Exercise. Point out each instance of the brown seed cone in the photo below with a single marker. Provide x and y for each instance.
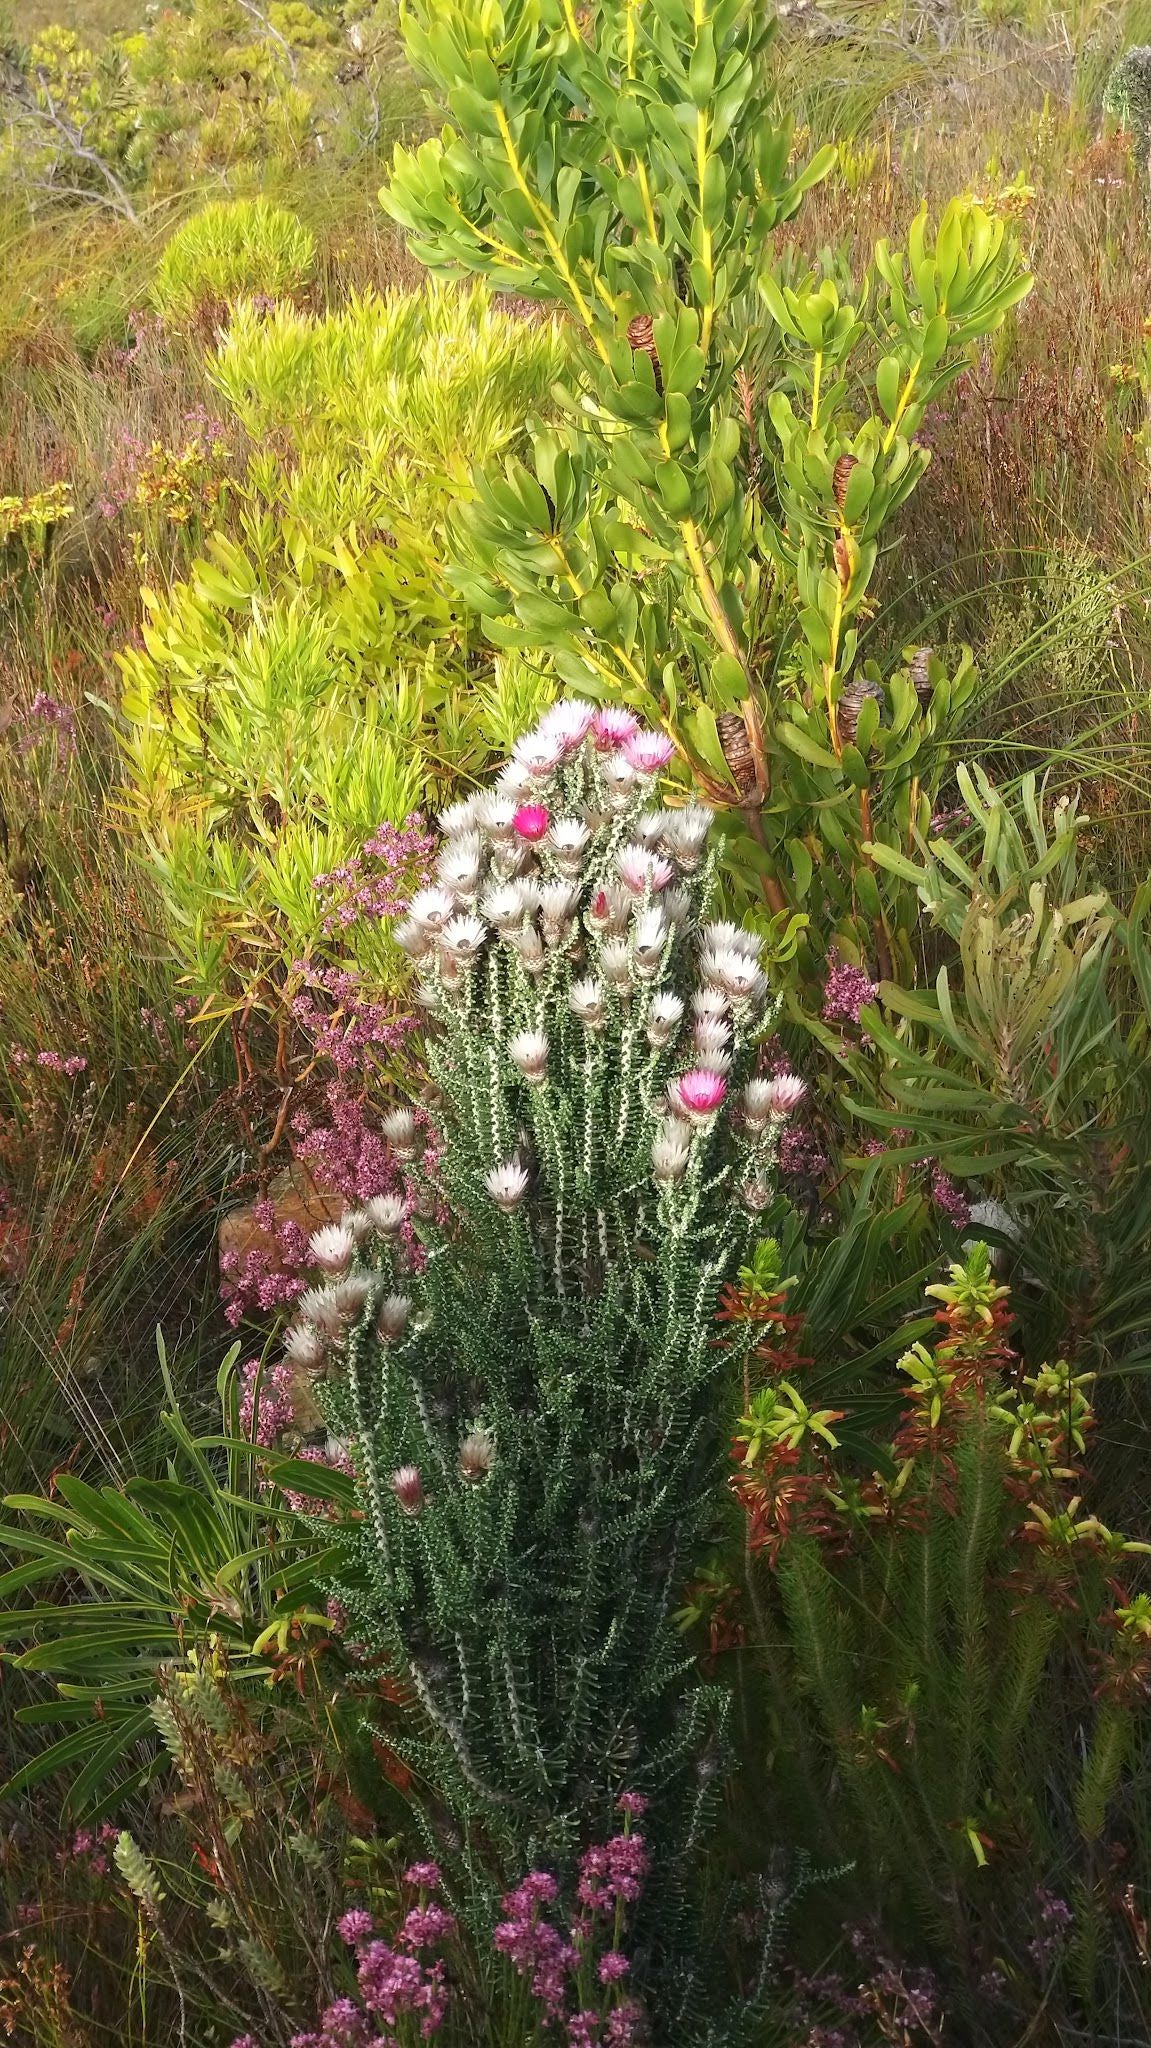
(733, 738)
(841, 477)
(921, 673)
(851, 704)
(641, 341)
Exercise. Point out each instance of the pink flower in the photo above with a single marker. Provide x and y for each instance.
(531, 821)
(697, 1093)
(408, 1488)
(639, 870)
(613, 727)
(648, 751)
(785, 1094)
(568, 722)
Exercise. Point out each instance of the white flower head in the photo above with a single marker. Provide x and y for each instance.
(462, 937)
(496, 813)
(431, 909)
(459, 817)
(399, 1128)
(477, 1455)
(568, 840)
(649, 938)
(504, 905)
(529, 946)
(304, 1346)
(677, 906)
(685, 834)
(507, 1185)
(671, 1152)
(460, 864)
(332, 1246)
(756, 1102)
(585, 999)
(413, 939)
(648, 828)
(711, 1035)
(513, 781)
(392, 1317)
(528, 1051)
(408, 1488)
(664, 1017)
(709, 1002)
(569, 721)
(615, 962)
(539, 752)
(619, 780)
(786, 1092)
(558, 901)
(386, 1213)
(640, 870)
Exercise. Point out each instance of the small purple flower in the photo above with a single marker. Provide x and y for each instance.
(613, 1966)
(846, 993)
(949, 1198)
(356, 1927)
(426, 1875)
(634, 1804)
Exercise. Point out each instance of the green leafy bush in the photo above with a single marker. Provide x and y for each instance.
(699, 533)
(315, 678)
(238, 248)
(951, 1651)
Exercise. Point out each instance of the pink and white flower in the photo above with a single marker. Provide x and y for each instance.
(698, 1094)
(640, 870)
(332, 1247)
(612, 727)
(408, 1488)
(528, 1051)
(531, 821)
(507, 1185)
(648, 752)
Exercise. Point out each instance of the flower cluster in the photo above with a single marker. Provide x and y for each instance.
(377, 881)
(560, 1965)
(846, 993)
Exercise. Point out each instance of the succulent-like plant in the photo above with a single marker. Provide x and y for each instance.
(533, 1420)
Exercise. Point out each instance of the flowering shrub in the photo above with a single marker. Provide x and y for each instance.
(532, 1421)
(957, 1651)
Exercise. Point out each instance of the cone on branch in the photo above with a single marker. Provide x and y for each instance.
(641, 341)
(737, 750)
(851, 704)
(841, 477)
(921, 674)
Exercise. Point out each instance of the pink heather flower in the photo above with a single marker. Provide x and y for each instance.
(634, 1804)
(613, 1966)
(408, 1488)
(356, 1926)
(698, 1093)
(624, 2025)
(648, 751)
(846, 992)
(426, 1875)
(613, 727)
(949, 1197)
(785, 1093)
(531, 821)
(425, 1924)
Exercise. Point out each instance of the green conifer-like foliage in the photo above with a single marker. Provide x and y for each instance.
(532, 1419)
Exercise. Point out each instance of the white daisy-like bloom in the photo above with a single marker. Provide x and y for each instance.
(711, 1034)
(504, 905)
(710, 1002)
(677, 906)
(648, 941)
(585, 1000)
(615, 963)
(349, 1295)
(558, 901)
(331, 1309)
(671, 1152)
(685, 834)
(528, 1051)
(463, 937)
(496, 813)
(724, 937)
(393, 1316)
(513, 781)
(332, 1246)
(786, 1092)
(412, 939)
(756, 1102)
(460, 864)
(568, 840)
(648, 828)
(427, 995)
(713, 1059)
(743, 980)
(569, 721)
(640, 870)
(540, 753)
(619, 779)
(358, 1222)
(399, 1128)
(529, 946)
(304, 1346)
(477, 1455)
(715, 961)
(459, 817)
(386, 1213)
(667, 1009)
(431, 909)
(507, 1185)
